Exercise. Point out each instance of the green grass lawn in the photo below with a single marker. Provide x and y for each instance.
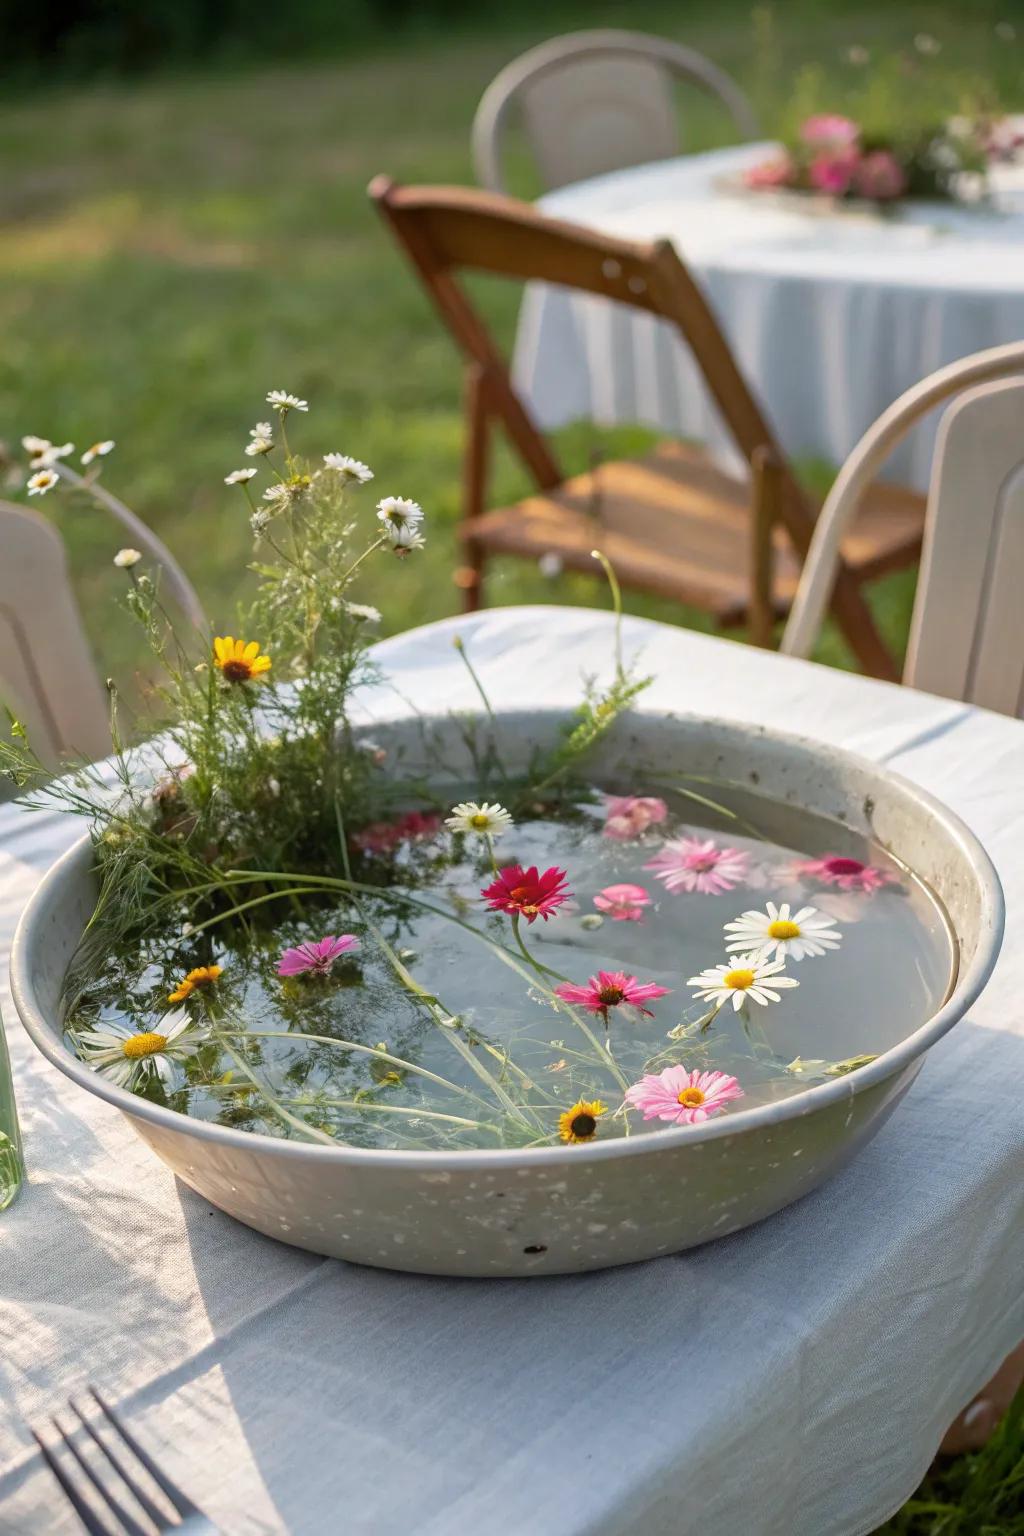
(171, 249)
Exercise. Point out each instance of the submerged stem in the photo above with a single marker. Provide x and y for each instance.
(275, 1104)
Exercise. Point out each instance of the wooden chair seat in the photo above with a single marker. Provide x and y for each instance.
(674, 524)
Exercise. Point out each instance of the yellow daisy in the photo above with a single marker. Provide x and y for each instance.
(238, 661)
(580, 1122)
(202, 976)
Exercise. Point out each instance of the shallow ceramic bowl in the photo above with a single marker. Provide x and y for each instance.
(558, 1209)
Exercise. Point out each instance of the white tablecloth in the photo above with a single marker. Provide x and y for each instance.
(831, 317)
(793, 1380)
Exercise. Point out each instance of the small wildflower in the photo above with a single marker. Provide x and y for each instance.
(623, 903)
(349, 469)
(259, 519)
(580, 1122)
(690, 864)
(34, 445)
(482, 820)
(239, 476)
(927, 45)
(98, 451)
(126, 558)
(124, 1056)
(629, 816)
(364, 612)
(49, 453)
(316, 957)
(400, 517)
(239, 662)
(776, 932)
(261, 440)
(44, 480)
(526, 892)
(405, 540)
(283, 402)
(202, 976)
(742, 977)
(683, 1097)
(610, 989)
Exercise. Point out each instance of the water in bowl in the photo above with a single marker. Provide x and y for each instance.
(482, 1055)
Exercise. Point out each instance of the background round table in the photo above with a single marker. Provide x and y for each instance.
(831, 315)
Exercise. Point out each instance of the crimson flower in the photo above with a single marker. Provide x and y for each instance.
(610, 988)
(520, 891)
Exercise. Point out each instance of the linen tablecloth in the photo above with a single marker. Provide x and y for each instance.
(831, 317)
(792, 1380)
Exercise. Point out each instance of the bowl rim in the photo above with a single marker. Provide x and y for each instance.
(969, 983)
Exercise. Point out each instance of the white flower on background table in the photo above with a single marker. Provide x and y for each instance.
(126, 558)
(776, 932)
(123, 1055)
(692, 864)
(239, 476)
(44, 480)
(98, 451)
(742, 977)
(479, 820)
(282, 401)
(349, 469)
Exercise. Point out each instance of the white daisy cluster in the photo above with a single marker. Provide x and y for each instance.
(759, 945)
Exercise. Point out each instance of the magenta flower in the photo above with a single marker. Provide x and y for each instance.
(609, 989)
(828, 130)
(687, 864)
(318, 957)
(524, 892)
(623, 903)
(628, 816)
(832, 172)
(879, 176)
(846, 874)
(682, 1097)
(386, 836)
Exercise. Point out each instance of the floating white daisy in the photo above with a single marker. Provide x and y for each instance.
(400, 517)
(348, 469)
(282, 401)
(41, 482)
(777, 932)
(742, 977)
(98, 451)
(126, 558)
(239, 476)
(480, 820)
(124, 1056)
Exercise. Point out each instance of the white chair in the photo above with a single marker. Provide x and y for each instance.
(967, 630)
(47, 675)
(597, 101)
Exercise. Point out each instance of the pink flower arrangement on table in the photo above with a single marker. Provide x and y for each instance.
(832, 156)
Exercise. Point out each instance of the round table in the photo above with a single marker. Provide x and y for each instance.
(831, 315)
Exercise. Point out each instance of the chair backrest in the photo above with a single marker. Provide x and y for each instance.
(967, 633)
(448, 229)
(994, 519)
(592, 102)
(47, 676)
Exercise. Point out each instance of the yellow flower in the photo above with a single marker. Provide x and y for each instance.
(202, 976)
(239, 662)
(580, 1122)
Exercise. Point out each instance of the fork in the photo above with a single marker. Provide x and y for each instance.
(186, 1519)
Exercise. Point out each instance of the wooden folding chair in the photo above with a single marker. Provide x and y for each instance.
(672, 522)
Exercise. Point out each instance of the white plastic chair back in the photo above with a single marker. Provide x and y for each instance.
(592, 102)
(967, 634)
(47, 676)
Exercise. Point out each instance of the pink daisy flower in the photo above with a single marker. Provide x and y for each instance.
(623, 903)
(628, 816)
(846, 874)
(682, 1097)
(316, 957)
(519, 891)
(687, 864)
(609, 989)
(829, 130)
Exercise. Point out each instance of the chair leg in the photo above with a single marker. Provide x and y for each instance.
(766, 491)
(472, 581)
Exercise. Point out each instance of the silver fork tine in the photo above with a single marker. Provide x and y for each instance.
(130, 1525)
(92, 1522)
(181, 1501)
(158, 1516)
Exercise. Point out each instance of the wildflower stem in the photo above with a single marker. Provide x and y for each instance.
(537, 964)
(377, 544)
(613, 582)
(275, 1104)
(397, 1109)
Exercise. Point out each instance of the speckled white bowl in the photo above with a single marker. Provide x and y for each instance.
(558, 1209)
